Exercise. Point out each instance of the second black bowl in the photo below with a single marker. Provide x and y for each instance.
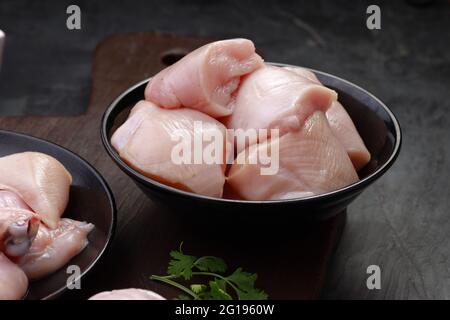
(376, 124)
(90, 200)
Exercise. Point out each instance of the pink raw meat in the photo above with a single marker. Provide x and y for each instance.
(206, 78)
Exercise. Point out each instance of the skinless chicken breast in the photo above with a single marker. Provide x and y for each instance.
(13, 281)
(311, 161)
(344, 129)
(40, 181)
(342, 126)
(275, 98)
(206, 78)
(127, 294)
(148, 138)
(53, 248)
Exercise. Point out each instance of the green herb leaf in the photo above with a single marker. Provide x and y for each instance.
(217, 293)
(183, 297)
(253, 294)
(243, 280)
(181, 265)
(222, 284)
(198, 288)
(211, 264)
(245, 283)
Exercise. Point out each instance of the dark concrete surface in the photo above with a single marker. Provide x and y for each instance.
(402, 222)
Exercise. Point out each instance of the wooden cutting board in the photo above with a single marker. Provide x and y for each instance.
(291, 258)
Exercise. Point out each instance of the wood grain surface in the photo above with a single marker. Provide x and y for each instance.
(291, 258)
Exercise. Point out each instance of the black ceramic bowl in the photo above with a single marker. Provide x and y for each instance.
(90, 200)
(376, 124)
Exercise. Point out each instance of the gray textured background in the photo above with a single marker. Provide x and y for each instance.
(402, 222)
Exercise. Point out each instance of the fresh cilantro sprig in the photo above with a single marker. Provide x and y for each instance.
(183, 266)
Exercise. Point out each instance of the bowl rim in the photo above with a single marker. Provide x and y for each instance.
(112, 203)
(359, 185)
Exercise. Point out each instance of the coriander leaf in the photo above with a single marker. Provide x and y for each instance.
(222, 284)
(181, 265)
(186, 266)
(243, 280)
(245, 283)
(254, 294)
(217, 293)
(205, 295)
(211, 264)
(198, 288)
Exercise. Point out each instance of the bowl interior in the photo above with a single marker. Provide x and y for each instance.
(90, 200)
(376, 124)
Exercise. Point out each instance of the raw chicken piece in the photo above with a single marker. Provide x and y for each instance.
(18, 228)
(305, 73)
(311, 161)
(206, 78)
(148, 139)
(342, 126)
(276, 98)
(18, 224)
(127, 294)
(13, 281)
(40, 180)
(52, 249)
(9, 199)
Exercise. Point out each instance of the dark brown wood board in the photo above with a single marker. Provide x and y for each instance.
(291, 261)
